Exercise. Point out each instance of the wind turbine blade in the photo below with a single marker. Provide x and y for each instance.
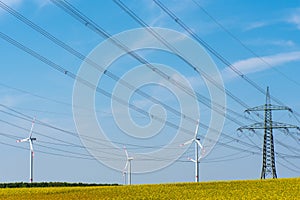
(190, 159)
(186, 143)
(32, 125)
(200, 145)
(126, 153)
(202, 153)
(196, 131)
(126, 165)
(23, 140)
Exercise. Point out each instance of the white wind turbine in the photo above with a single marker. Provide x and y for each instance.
(197, 158)
(30, 139)
(128, 167)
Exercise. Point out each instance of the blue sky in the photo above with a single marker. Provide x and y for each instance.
(258, 38)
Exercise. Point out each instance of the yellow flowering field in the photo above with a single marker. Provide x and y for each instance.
(254, 189)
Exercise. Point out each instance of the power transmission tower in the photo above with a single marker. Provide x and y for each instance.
(268, 165)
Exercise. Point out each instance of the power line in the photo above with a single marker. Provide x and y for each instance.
(152, 158)
(243, 44)
(173, 49)
(70, 144)
(32, 94)
(55, 65)
(74, 52)
(212, 50)
(96, 28)
(144, 24)
(71, 10)
(89, 61)
(65, 72)
(27, 118)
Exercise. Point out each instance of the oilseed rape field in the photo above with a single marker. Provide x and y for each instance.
(254, 189)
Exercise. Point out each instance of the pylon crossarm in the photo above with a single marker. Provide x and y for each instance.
(252, 127)
(260, 125)
(270, 107)
(283, 125)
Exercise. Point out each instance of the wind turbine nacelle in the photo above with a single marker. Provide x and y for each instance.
(130, 158)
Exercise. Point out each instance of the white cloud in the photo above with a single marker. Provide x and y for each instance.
(11, 100)
(292, 18)
(12, 2)
(158, 21)
(265, 42)
(16, 3)
(42, 3)
(252, 65)
(295, 18)
(256, 25)
(283, 43)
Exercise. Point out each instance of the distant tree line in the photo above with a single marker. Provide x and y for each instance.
(50, 184)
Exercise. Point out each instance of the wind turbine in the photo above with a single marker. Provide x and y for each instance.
(128, 167)
(197, 158)
(30, 139)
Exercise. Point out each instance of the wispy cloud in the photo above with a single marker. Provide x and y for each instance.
(282, 43)
(16, 3)
(256, 25)
(11, 100)
(292, 17)
(42, 3)
(295, 18)
(11, 3)
(252, 65)
(267, 42)
(159, 18)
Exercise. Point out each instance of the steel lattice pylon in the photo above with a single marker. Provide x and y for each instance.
(268, 165)
(268, 147)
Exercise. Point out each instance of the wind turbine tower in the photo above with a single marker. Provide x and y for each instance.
(30, 139)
